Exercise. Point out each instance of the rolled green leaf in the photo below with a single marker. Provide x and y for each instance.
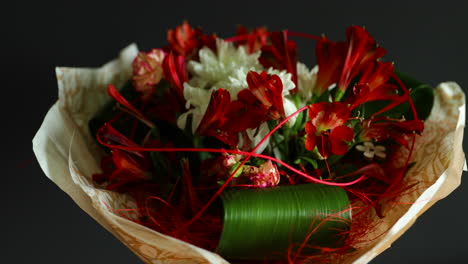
(264, 223)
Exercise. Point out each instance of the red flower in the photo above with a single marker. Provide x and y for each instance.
(186, 41)
(114, 93)
(261, 102)
(215, 116)
(281, 55)
(147, 71)
(362, 52)
(373, 85)
(330, 59)
(376, 74)
(183, 40)
(121, 168)
(327, 130)
(176, 73)
(340, 62)
(383, 128)
(268, 89)
(361, 93)
(256, 39)
(245, 112)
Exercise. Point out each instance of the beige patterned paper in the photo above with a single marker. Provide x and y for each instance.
(69, 156)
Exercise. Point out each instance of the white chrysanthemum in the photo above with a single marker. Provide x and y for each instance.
(215, 67)
(235, 82)
(289, 109)
(197, 101)
(306, 80)
(227, 69)
(256, 135)
(286, 79)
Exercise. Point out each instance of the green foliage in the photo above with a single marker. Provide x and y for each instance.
(263, 223)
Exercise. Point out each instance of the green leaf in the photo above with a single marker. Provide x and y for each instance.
(310, 161)
(262, 223)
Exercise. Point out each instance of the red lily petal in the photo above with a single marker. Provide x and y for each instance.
(330, 59)
(381, 128)
(255, 40)
(362, 50)
(325, 116)
(124, 161)
(217, 108)
(310, 138)
(245, 113)
(362, 94)
(176, 73)
(323, 145)
(268, 90)
(338, 137)
(215, 117)
(114, 93)
(281, 55)
(108, 134)
(377, 74)
(184, 39)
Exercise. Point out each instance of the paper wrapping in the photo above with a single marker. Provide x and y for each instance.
(69, 156)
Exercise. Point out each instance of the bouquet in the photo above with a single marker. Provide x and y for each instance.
(234, 146)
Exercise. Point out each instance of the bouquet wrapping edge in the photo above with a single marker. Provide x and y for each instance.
(69, 156)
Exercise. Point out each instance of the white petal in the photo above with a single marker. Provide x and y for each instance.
(369, 154)
(196, 97)
(286, 79)
(182, 120)
(361, 148)
(289, 109)
(381, 155)
(262, 132)
(306, 80)
(380, 148)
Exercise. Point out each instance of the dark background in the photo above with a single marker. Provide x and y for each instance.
(41, 224)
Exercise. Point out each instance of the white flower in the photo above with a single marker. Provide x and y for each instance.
(199, 100)
(257, 136)
(306, 80)
(289, 109)
(217, 67)
(227, 68)
(370, 150)
(236, 82)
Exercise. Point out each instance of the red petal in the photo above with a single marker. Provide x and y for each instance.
(338, 137)
(281, 55)
(362, 50)
(377, 74)
(323, 145)
(310, 139)
(255, 40)
(108, 134)
(217, 108)
(330, 59)
(112, 91)
(175, 72)
(268, 90)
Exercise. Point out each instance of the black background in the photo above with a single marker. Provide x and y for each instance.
(41, 224)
